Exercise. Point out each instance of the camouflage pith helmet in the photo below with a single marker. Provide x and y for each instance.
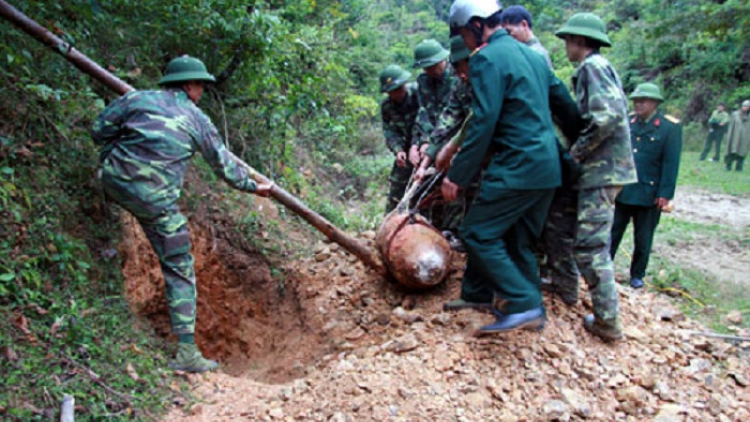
(647, 90)
(459, 50)
(392, 77)
(462, 11)
(586, 25)
(184, 69)
(429, 53)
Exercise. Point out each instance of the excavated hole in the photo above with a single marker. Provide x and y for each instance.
(244, 320)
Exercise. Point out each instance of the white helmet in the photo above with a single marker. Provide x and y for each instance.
(463, 10)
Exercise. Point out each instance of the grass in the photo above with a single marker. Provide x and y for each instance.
(704, 297)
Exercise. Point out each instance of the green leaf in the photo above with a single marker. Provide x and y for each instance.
(7, 277)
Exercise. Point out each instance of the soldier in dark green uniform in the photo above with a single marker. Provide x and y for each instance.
(583, 216)
(717, 127)
(657, 143)
(514, 91)
(398, 112)
(147, 139)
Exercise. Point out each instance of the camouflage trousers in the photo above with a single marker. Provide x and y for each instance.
(577, 238)
(399, 179)
(167, 231)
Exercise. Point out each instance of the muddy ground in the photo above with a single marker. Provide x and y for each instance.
(329, 341)
(723, 260)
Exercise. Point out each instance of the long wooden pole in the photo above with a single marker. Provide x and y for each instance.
(86, 65)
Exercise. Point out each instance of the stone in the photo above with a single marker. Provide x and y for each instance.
(576, 401)
(734, 317)
(635, 334)
(406, 316)
(553, 351)
(276, 413)
(404, 344)
(740, 379)
(555, 410)
(669, 413)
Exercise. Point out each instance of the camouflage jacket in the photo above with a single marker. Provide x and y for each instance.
(148, 137)
(398, 119)
(451, 118)
(537, 46)
(433, 96)
(603, 147)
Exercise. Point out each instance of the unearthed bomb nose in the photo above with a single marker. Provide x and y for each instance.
(415, 253)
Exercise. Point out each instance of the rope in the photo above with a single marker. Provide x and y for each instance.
(682, 293)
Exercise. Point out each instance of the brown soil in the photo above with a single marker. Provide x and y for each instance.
(342, 344)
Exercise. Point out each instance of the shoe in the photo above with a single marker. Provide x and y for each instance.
(458, 304)
(190, 359)
(606, 331)
(569, 298)
(636, 283)
(532, 320)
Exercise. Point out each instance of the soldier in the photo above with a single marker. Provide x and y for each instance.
(738, 137)
(656, 139)
(398, 112)
(717, 126)
(147, 139)
(584, 215)
(435, 86)
(449, 123)
(513, 90)
(517, 21)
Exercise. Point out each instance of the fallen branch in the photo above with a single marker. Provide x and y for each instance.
(719, 336)
(97, 379)
(67, 409)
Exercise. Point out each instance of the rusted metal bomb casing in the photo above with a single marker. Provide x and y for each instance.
(416, 254)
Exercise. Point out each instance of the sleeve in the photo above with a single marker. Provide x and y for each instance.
(393, 139)
(489, 90)
(422, 125)
(564, 110)
(670, 163)
(449, 123)
(107, 126)
(224, 164)
(601, 104)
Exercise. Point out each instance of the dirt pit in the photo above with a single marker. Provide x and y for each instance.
(246, 319)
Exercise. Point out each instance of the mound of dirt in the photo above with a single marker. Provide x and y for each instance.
(397, 356)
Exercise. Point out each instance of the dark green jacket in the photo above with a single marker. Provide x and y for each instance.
(657, 144)
(514, 92)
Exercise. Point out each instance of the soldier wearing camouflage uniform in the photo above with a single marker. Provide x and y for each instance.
(436, 84)
(581, 219)
(147, 139)
(450, 122)
(398, 112)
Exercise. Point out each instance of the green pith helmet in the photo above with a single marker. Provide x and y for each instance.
(459, 50)
(586, 25)
(429, 53)
(647, 90)
(184, 69)
(392, 77)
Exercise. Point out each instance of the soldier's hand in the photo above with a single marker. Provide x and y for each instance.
(264, 189)
(444, 157)
(449, 190)
(401, 159)
(661, 203)
(414, 157)
(423, 150)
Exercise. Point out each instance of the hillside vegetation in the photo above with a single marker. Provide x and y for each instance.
(296, 97)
